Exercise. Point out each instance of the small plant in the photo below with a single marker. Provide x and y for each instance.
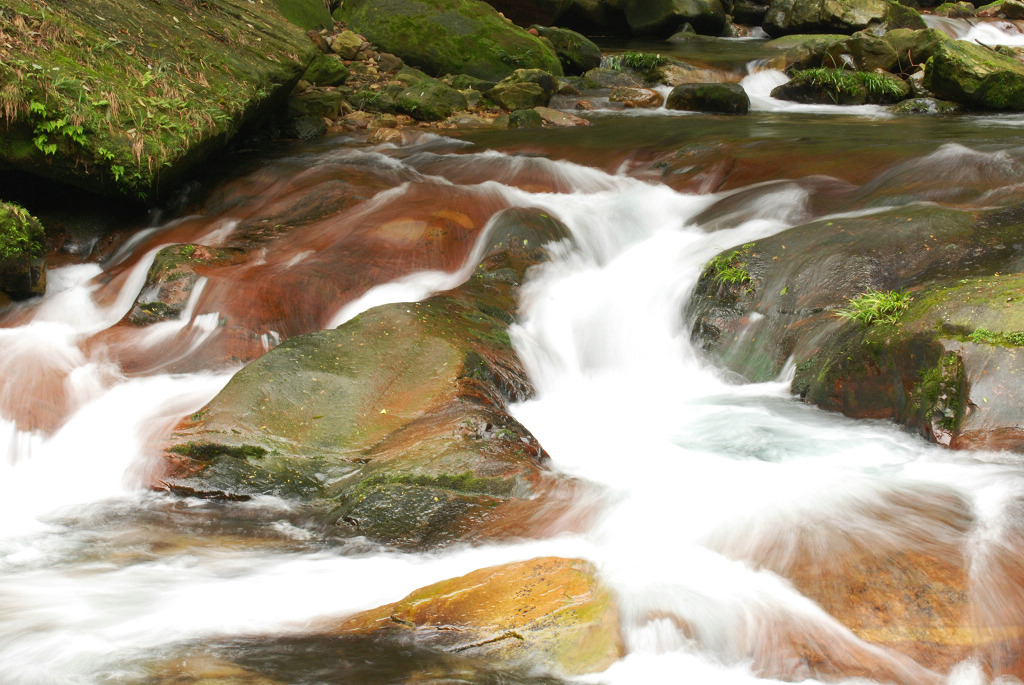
(987, 337)
(882, 306)
(729, 269)
(839, 82)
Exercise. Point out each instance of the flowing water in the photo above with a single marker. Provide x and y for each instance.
(709, 490)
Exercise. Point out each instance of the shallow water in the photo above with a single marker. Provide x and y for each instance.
(710, 491)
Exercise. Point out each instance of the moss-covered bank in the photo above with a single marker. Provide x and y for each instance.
(124, 98)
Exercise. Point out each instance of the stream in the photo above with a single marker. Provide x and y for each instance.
(704, 484)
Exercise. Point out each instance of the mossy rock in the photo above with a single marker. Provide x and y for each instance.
(956, 10)
(393, 425)
(841, 87)
(547, 613)
(22, 247)
(529, 12)
(975, 76)
(525, 118)
(927, 106)
(914, 48)
(524, 89)
(82, 110)
(866, 52)
(326, 70)
(804, 51)
(431, 100)
(576, 52)
(722, 98)
(1012, 10)
(307, 14)
(449, 36)
(603, 77)
(663, 17)
(837, 16)
(924, 370)
(317, 103)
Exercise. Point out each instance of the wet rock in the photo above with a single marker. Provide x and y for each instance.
(463, 37)
(530, 12)
(837, 16)
(748, 12)
(431, 100)
(524, 89)
(664, 17)
(216, 86)
(558, 118)
(596, 17)
(22, 248)
(932, 370)
(326, 70)
(610, 78)
(525, 118)
(547, 612)
(576, 52)
(927, 106)
(724, 98)
(975, 76)
(171, 279)
(841, 87)
(636, 97)
(393, 425)
(1003, 9)
(317, 103)
(914, 48)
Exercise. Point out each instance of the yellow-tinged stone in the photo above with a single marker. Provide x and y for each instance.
(548, 611)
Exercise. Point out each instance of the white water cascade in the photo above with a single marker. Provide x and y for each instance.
(696, 472)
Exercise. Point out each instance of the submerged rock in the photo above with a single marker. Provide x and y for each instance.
(455, 36)
(131, 123)
(22, 247)
(393, 424)
(547, 612)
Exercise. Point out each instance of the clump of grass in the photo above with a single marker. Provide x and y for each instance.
(842, 82)
(730, 269)
(638, 61)
(983, 335)
(876, 306)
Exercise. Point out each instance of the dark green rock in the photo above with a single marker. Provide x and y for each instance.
(864, 51)
(914, 48)
(576, 52)
(448, 36)
(665, 17)
(305, 128)
(609, 78)
(431, 100)
(803, 51)
(957, 10)
(723, 98)
(22, 247)
(326, 70)
(318, 103)
(529, 12)
(927, 106)
(172, 278)
(841, 87)
(525, 89)
(975, 76)
(525, 118)
(749, 12)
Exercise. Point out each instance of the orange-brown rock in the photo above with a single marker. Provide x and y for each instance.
(550, 612)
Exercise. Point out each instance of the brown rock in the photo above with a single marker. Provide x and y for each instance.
(548, 611)
(559, 118)
(637, 97)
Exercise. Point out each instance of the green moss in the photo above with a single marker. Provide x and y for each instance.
(121, 97)
(21, 234)
(730, 269)
(938, 396)
(211, 451)
(876, 306)
(465, 483)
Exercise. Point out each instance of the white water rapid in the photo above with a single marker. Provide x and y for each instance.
(697, 473)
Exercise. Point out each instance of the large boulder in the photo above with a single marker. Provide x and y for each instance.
(837, 16)
(665, 17)
(393, 425)
(132, 123)
(431, 100)
(945, 367)
(914, 48)
(22, 245)
(841, 87)
(549, 612)
(976, 76)
(528, 12)
(525, 89)
(576, 52)
(308, 14)
(449, 36)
